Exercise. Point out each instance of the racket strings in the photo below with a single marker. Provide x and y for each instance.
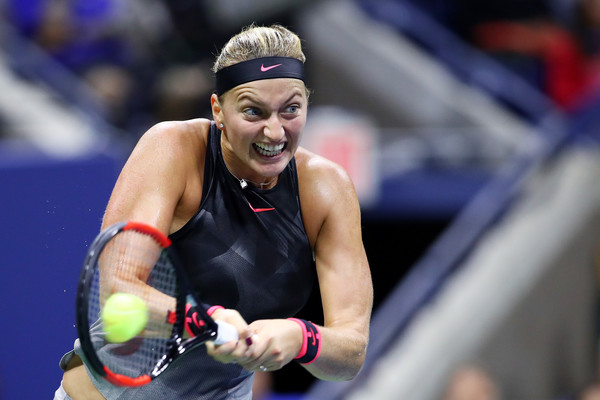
(133, 262)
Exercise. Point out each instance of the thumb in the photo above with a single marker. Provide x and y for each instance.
(234, 318)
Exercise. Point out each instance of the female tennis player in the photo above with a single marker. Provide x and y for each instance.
(257, 220)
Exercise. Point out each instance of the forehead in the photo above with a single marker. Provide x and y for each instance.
(268, 89)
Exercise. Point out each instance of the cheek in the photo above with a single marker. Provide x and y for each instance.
(296, 127)
(241, 133)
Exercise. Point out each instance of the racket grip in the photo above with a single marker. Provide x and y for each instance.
(225, 333)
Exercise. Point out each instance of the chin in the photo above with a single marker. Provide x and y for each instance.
(273, 169)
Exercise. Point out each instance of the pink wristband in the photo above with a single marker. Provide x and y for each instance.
(311, 341)
(212, 309)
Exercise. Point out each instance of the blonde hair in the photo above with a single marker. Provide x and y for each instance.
(259, 41)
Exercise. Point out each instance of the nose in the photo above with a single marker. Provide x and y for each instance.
(274, 129)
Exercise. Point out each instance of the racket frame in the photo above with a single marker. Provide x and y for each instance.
(176, 344)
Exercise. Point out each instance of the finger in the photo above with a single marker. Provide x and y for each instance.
(249, 338)
(248, 351)
(234, 318)
(224, 353)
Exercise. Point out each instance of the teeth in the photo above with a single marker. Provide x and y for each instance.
(269, 149)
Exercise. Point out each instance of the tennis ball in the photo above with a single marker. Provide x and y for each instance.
(124, 316)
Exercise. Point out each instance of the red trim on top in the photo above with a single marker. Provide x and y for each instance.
(123, 380)
(160, 237)
(258, 210)
(212, 310)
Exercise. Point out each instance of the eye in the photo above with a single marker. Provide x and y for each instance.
(292, 109)
(251, 111)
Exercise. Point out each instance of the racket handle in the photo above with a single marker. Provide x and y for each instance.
(225, 333)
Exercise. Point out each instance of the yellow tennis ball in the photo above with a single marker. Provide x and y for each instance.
(124, 316)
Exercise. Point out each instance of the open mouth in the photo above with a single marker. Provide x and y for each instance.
(269, 150)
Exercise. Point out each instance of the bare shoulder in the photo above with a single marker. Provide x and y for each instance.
(314, 169)
(325, 189)
(161, 182)
(177, 136)
(317, 172)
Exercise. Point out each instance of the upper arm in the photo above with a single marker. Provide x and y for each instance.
(333, 219)
(153, 180)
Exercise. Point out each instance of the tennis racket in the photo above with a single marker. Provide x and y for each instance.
(137, 259)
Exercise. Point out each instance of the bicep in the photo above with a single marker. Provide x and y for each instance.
(342, 266)
(148, 187)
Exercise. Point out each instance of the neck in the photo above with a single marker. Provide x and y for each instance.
(244, 181)
(261, 185)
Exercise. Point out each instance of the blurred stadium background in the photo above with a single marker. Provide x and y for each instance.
(470, 128)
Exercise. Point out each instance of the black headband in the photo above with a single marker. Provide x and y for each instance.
(257, 69)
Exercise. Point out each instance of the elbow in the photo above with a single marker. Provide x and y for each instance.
(355, 356)
(357, 365)
(338, 371)
(359, 359)
(352, 367)
(350, 372)
(345, 362)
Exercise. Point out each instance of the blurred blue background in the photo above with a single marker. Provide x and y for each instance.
(50, 211)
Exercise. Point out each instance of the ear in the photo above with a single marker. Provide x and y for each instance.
(217, 111)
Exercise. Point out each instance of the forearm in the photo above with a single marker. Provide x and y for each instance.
(277, 342)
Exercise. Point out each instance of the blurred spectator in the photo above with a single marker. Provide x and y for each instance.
(181, 93)
(582, 17)
(146, 60)
(561, 63)
(586, 26)
(471, 383)
(77, 33)
(558, 57)
(113, 86)
(110, 44)
(591, 392)
(469, 13)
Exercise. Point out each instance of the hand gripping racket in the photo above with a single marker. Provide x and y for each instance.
(137, 259)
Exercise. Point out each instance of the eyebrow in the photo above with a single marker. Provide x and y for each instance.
(254, 99)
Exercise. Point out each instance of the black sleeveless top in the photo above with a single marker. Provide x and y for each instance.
(246, 248)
